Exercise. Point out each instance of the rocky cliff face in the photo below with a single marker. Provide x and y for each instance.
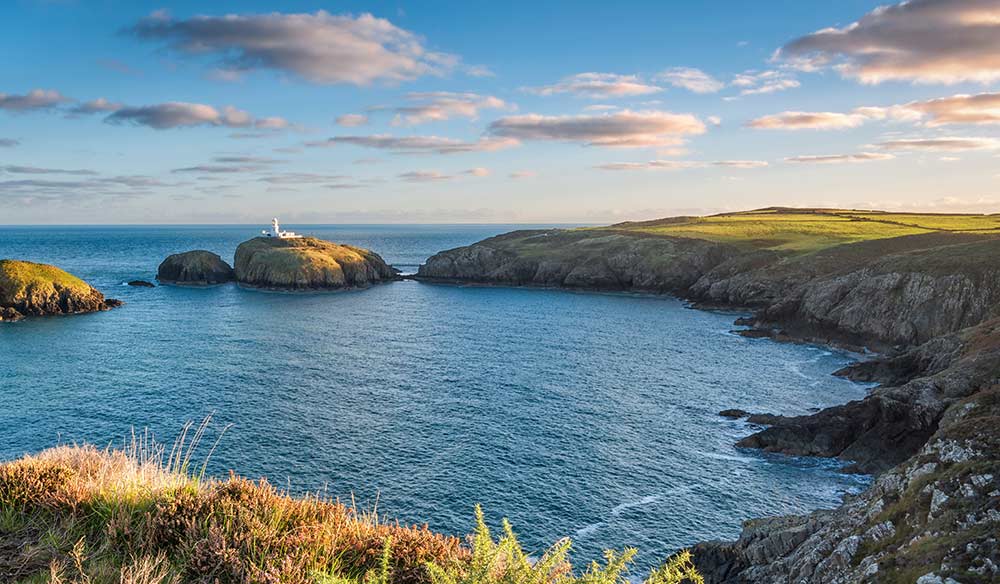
(195, 268)
(308, 264)
(927, 302)
(30, 289)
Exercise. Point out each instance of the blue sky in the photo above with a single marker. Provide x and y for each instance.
(492, 112)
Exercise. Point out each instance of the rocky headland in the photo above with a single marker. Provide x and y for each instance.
(308, 263)
(195, 268)
(921, 291)
(30, 289)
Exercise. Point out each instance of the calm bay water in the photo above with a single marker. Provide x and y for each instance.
(587, 415)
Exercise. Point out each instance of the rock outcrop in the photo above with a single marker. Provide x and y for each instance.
(308, 264)
(195, 268)
(30, 289)
(930, 304)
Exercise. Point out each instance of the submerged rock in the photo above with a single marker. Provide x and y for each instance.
(195, 268)
(141, 284)
(30, 289)
(308, 263)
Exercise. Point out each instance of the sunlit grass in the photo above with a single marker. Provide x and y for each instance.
(799, 231)
(143, 514)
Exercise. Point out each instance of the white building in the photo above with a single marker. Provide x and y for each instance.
(277, 232)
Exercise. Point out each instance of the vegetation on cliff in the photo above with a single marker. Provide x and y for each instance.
(790, 230)
(76, 514)
(195, 268)
(31, 289)
(308, 264)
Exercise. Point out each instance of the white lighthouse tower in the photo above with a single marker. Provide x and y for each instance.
(277, 232)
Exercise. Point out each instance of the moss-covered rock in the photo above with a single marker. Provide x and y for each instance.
(30, 289)
(195, 268)
(308, 264)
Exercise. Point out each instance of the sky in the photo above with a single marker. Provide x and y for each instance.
(135, 112)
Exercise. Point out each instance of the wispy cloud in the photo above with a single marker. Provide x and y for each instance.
(352, 120)
(682, 164)
(14, 169)
(598, 86)
(95, 106)
(623, 129)
(320, 47)
(36, 99)
(926, 41)
(438, 106)
(691, 79)
(840, 158)
(763, 82)
(944, 144)
(9, 143)
(178, 114)
(807, 121)
(419, 144)
(420, 176)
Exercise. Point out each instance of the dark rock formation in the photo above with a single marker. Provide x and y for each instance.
(734, 414)
(195, 268)
(141, 284)
(308, 264)
(30, 289)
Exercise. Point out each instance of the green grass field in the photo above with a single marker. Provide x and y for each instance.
(808, 230)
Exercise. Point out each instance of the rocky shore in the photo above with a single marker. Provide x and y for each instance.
(31, 289)
(927, 303)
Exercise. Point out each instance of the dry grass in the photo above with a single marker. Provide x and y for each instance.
(144, 515)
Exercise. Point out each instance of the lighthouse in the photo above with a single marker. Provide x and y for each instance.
(277, 232)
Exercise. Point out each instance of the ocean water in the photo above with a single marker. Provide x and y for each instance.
(574, 414)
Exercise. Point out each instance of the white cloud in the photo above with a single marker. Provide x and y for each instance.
(320, 48)
(624, 128)
(598, 86)
(763, 82)
(691, 79)
(926, 41)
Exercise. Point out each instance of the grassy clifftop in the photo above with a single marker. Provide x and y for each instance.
(805, 230)
(76, 514)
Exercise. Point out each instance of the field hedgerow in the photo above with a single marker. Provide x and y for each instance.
(141, 515)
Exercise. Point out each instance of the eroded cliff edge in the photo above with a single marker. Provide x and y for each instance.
(926, 302)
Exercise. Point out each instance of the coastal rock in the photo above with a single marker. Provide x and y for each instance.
(734, 414)
(604, 260)
(308, 264)
(195, 268)
(141, 284)
(30, 289)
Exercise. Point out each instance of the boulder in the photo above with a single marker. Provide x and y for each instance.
(141, 284)
(308, 263)
(195, 268)
(30, 289)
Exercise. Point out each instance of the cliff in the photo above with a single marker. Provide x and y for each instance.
(195, 268)
(308, 264)
(30, 289)
(923, 290)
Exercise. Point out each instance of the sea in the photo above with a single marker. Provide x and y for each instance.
(583, 415)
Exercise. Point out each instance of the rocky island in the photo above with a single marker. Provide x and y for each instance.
(195, 268)
(308, 263)
(923, 291)
(30, 289)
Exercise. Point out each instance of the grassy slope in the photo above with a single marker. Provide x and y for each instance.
(76, 514)
(18, 277)
(809, 230)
